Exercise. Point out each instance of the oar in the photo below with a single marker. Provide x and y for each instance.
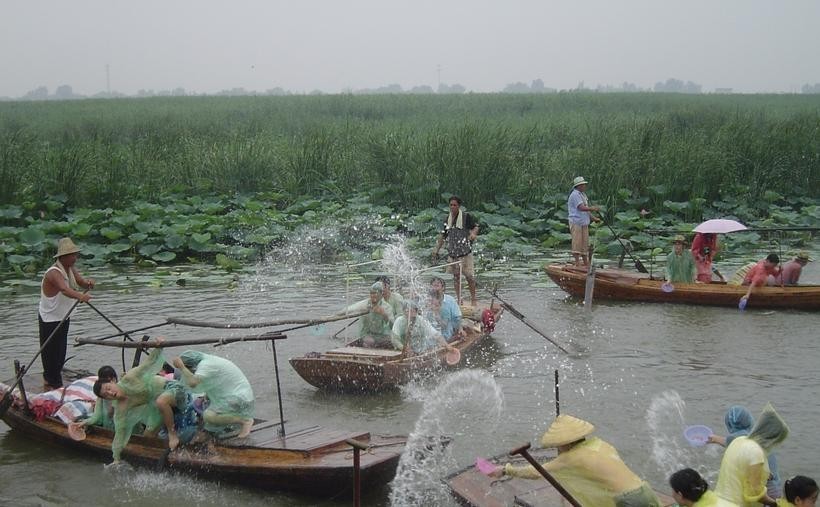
(523, 451)
(638, 264)
(118, 328)
(5, 403)
(337, 333)
(520, 316)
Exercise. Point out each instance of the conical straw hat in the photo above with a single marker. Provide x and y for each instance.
(65, 247)
(566, 429)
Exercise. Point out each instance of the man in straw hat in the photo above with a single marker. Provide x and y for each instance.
(579, 216)
(58, 291)
(589, 468)
(680, 265)
(790, 272)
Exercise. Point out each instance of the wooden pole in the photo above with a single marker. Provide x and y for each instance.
(546, 475)
(557, 403)
(357, 486)
(278, 391)
(183, 343)
(518, 315)
(251, 325)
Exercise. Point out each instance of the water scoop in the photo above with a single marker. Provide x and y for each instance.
(667, 287)
(697, 435)
(453, 356)
(76, 431)
(742, 304)
(484, 466)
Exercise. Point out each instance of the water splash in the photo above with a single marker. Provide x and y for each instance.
(666, 420)
(398, 262)
(465, 404)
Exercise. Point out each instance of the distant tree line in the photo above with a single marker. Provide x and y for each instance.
(671, 85)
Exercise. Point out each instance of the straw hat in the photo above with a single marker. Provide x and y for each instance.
(803, 256)
(65, 247)
(679, 239)
(566, 429)
(579, 180)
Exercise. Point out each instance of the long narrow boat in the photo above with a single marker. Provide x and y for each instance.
(309, 460)
(356, 368)
(474, 489)
(618, 284)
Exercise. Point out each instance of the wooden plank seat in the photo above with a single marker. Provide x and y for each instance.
(363, 351)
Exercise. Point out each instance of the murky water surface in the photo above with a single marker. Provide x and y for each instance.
(648, 370)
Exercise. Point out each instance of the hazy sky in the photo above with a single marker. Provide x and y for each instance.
(333, 45)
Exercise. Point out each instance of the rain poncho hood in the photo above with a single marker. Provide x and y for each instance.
(770, 429)
(191, 359)
(738, 420)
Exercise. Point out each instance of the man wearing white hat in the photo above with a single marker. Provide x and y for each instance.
(589, 468)
(578, 209)
(58, 291)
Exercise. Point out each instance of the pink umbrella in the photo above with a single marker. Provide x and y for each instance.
(719, 226)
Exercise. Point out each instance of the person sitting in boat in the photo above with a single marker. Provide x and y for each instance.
(740, 274)
(142, 396)
(680, 265)
(230, 396)
(799, 491)
(744, 469)
(393, 299)
(704, 249)
(412, 332)
(690, 489)
(103, 409)
(443, 312)
(790, 272)
(760, 272)
(739, 422)
(589, 468)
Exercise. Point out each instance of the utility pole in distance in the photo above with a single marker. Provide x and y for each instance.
(108, 80)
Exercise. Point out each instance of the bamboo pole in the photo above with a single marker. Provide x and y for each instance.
(251, 325)
(183, 343)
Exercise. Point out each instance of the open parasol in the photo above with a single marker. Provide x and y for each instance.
(719, 226)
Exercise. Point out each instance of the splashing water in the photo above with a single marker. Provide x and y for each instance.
(398, 262)
(666, 420)
(466, 403)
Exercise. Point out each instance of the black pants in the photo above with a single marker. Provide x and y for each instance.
(53, 355)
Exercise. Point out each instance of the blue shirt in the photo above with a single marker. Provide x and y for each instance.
(450, 317)
(576, 216)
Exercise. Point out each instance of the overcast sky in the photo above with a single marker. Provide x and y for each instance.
(334, 45)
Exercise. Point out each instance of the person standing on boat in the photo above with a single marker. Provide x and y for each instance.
(412, 332)
(460, 231)
(58, 291)
(230, 395)
(680, 265)
(589, 468)
(443, 312)
(579, 216)
(791, 271)
(704, 248)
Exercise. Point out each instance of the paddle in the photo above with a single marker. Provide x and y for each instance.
(5, 403)
(638, 264)
(523, 451)
(520, 316)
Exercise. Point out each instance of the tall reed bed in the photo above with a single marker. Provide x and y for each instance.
(410, 150)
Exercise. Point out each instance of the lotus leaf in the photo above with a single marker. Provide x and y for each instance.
(120, 246)
(164, 256)
(126, 219)
(148, 249)
(32, 236)
(11, 212)
(80, 230)
(111, 233)
(201, 238)
(137, 237)
(19, 259)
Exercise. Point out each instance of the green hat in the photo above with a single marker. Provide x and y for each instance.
(679, 239)
(376, 287)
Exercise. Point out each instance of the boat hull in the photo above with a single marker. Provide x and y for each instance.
(624, 285)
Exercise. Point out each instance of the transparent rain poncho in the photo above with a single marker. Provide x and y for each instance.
(227, 388)
(141, 386)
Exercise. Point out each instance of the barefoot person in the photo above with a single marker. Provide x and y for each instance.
(228, 390)
(460, 231)
(58, 293)
(579, 216)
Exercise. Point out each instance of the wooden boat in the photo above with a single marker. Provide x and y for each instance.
(472, 488)
(309, 460)
(626, 285)
(356, 368)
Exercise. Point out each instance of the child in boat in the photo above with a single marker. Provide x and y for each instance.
(690, 489)
(103, 409)
(142, 396)
(230, 396)
(799, 491)
(589, 468)
(413, 332)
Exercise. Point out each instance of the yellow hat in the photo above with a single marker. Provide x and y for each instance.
(66, 247)
(566, 429)
(679, 239)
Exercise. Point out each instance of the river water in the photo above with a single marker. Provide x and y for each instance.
(644, 372)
